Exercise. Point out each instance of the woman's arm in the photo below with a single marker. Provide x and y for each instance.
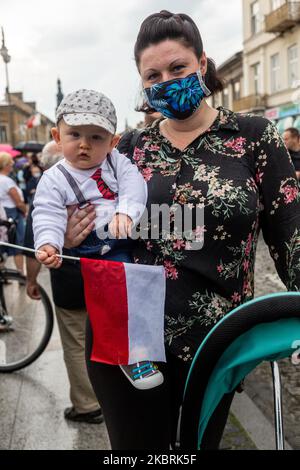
(15, 196)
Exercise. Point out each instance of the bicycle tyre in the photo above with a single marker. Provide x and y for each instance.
(9, 275)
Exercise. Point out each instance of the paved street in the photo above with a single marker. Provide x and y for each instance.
(32, 401)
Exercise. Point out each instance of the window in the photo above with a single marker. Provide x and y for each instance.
(293, 73)
(225, 98)
(254, 17)
(256, 78)
(217, 100)
(277, 4)
(3, 134)
(236, 90)
(275, 73)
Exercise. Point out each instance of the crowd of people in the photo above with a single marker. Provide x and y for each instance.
(236, 166)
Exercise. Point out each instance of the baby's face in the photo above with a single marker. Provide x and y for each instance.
(83, 147)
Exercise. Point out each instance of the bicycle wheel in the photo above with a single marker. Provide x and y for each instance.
(28, 323)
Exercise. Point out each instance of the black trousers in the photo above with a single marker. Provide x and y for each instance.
(147, 419)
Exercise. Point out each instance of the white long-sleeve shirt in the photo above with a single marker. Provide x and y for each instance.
(54, 194)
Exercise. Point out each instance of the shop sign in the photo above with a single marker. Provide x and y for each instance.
(272, 113)
(289, 110)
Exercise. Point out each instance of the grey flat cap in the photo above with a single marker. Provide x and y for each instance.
(88, 107)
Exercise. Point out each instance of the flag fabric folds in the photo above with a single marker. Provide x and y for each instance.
(34, 121)
(125, 303)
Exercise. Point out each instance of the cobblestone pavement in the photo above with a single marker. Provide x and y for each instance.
(259, 383)
(235, 437)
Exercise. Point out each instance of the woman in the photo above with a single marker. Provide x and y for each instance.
(11, 198)
(234, 166)
(32, 183)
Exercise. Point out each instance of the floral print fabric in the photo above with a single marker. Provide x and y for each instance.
(177, 98)
(240, 172)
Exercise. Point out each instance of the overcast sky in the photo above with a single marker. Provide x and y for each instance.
(89, 44)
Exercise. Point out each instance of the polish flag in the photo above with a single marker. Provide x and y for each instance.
(125, 303)
(34, 121)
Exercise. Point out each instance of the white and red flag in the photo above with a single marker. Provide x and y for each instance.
(34, 121)
(125, 303)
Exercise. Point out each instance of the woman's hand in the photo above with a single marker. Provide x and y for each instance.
(33, 268)
(33, 290)
(80, 224)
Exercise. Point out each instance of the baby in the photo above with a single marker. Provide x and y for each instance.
(92, 172)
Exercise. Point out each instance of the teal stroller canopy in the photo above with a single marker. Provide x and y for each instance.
(264, 329)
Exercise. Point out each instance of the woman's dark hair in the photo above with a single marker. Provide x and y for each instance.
(166, 25)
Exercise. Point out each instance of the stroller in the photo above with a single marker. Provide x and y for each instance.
(264, 329)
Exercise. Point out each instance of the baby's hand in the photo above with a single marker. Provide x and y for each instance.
(120, 226)
(47, 255)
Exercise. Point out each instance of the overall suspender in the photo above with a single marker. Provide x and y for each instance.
(111, 166)
(72, 182)
(80, 197)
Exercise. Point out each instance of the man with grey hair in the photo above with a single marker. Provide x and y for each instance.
(68, 297)
(51, 154)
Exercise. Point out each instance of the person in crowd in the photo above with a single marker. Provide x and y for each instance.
(33, 162)
(3, 233)
(32, 183)
(11, 198)
(68, 297)
(18, 173)
(3, 238)
(50, 155)
(291, 138)
(238, 169)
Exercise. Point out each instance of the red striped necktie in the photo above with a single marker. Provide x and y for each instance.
(102, 186)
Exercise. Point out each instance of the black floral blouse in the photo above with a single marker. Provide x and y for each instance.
(240, 172)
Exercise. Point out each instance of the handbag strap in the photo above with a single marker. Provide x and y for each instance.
(134, 140)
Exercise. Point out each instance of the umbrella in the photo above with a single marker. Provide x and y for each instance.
(20, 162)
(30, 146)
(8, 149)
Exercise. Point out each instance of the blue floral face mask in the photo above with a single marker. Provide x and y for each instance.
(178, 98)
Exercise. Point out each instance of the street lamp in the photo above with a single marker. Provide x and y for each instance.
(6, 59)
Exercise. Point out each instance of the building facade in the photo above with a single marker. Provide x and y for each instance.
(231, 72)
(14, 114)
(270, 83)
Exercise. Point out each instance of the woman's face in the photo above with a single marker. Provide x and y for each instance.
(8, 167)
(167, 60)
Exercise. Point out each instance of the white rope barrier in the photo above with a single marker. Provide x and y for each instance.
(23, 248)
